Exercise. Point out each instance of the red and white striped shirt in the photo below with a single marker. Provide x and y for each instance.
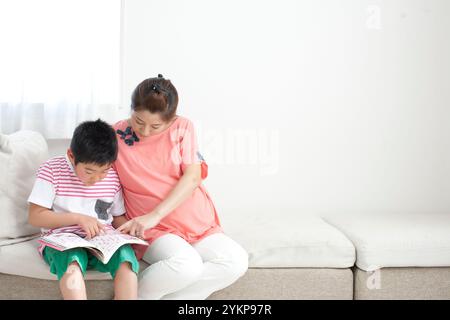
(58, 188)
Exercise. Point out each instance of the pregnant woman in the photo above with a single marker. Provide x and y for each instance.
(161, 172)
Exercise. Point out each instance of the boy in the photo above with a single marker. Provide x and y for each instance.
(83, 189)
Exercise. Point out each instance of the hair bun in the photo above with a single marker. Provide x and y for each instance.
(155, 87)
(160, 75)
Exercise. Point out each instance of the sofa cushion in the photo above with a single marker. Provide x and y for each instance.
(294, 241)
(398, 240)
(23, 259)
(21, 153)
(290, 240)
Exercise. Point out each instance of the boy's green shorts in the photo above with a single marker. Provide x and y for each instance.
(60, 260)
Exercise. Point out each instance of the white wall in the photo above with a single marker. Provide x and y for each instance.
(346, 103)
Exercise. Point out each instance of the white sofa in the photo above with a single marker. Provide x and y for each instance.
(291, 255)
(303, 259)
(401, 256)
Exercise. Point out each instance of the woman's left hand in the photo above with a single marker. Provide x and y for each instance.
(137, 226)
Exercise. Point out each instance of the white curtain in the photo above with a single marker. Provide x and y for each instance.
(59, 64)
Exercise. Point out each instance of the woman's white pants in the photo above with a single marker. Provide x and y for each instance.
(183, 271)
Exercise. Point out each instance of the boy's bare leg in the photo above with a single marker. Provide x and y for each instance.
(72, 283)
(125, 283)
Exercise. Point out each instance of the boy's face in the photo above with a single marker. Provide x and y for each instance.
(89, 173)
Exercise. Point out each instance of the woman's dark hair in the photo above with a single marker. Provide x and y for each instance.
(156, 95)
(94, 142)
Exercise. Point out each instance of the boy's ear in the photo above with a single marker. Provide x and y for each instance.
(70, 155)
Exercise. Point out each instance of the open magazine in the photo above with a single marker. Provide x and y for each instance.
(102, 246)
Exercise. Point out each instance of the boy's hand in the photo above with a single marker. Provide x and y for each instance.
(90, 225)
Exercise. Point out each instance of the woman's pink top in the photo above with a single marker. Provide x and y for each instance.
(151, 168)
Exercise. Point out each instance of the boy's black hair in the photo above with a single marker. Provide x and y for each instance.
(94, 142)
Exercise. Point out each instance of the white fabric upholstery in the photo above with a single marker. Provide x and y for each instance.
(296, 242)
(290, 240)
(21, 154)
(398, 240)
(23, 259)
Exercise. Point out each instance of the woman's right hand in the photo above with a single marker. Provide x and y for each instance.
(90, 225)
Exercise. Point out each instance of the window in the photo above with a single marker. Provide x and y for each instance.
(59, 62)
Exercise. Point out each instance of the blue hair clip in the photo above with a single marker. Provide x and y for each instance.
(124, 136)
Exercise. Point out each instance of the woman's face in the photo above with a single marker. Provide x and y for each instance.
(146, 124)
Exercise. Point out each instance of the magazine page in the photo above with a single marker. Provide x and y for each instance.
(112, 240)
(102, 246)
(64, 241)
